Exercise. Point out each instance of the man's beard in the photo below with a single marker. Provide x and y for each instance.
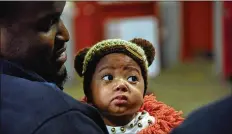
(58, 77)
(48, 70)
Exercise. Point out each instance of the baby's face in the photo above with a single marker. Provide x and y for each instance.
(117, 85)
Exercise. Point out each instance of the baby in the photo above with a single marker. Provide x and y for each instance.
(115, 82)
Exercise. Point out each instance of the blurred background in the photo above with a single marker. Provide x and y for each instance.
(193, 40)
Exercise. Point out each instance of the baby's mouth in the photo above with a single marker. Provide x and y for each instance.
(120, 100)
(121, 97)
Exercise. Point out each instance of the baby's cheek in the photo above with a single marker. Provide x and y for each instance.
(137, 101)
(101, 100)
(140, 99)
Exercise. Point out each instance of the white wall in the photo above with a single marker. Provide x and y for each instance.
(137, 27)
(218, 37)
(67, 18)
(170, 13)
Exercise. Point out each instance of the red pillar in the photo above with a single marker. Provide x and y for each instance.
(197, 36)
(86, 24)
(227, 37)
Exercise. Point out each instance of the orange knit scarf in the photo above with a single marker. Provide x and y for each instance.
(166, 117)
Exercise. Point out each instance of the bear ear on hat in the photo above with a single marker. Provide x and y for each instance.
(79, 59)
(147, 47)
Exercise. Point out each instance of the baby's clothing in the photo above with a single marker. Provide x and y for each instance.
(140, 121)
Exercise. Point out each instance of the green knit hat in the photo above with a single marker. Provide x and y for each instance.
(140, 50)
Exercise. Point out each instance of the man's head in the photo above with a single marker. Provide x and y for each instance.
(33, 35)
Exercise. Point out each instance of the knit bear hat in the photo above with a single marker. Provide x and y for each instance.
(140, 50)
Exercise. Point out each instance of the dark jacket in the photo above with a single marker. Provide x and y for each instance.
(215, 118)
(30, 105)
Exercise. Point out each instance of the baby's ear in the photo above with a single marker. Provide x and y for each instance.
(79, 59)
(147, 47)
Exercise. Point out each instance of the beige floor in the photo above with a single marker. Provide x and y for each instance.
(185, 86)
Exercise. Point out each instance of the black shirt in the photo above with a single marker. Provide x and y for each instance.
(29, 105)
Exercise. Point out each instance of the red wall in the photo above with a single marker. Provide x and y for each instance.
(197, 28)
(89, 27)
(86, 24)
(227, 44)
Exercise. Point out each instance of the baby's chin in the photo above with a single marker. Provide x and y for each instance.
(121, 111)
(118, 111)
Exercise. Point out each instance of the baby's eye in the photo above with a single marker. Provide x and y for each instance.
(132, 79)
(108, 77)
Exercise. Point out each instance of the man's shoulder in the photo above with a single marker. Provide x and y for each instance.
(38, 91)
(215, 109)
(29, 104)
(211, 119)
(42, 93)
